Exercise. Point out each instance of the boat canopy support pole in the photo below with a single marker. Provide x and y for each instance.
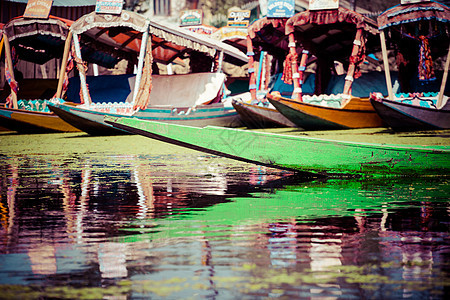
(297, 93)
(83, 83)
(219, 68)
(386, 65)
(351, 68)
(62, 71)
(259, 78)
(251, 68)
(140, 65)
(1, 45)
(444, 81)
(11, 68)
(301, 70)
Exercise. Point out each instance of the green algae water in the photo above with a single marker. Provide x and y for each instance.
(128, 217)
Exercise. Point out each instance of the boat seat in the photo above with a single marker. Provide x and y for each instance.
(186, 90)
(104, 88)
(33, 88)
(175, 90)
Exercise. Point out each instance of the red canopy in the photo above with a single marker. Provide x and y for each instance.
(269, 35)
(402, 14)
(304, 19)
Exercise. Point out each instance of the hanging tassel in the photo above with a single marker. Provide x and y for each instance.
(426, 72)
(287, 69)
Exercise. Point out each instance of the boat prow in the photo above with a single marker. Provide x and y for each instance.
(305, 152)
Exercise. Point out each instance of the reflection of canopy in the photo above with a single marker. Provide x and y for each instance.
(336, 32)
(269, 34)
(402, 14)
(107, 38)
(37, 40)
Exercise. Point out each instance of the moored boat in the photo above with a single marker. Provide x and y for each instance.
(419, 32)
(36, 45)
(332, 35)
(145, 95)
(369, 152)
(267, 44)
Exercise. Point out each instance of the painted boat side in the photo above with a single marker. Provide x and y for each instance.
(24, 121)
(299, 153)
(92, 122)
(254, 116)
(408, 117)
(358, 113)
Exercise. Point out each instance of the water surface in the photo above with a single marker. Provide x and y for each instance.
(131, 218)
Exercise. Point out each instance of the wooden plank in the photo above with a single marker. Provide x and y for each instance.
(306, 154)
(386, 66)
(62, 71)
(10, 67)
(444, 81)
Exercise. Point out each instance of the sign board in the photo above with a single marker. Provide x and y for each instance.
(280, 8)
(191, 17)
(38, 9)
(413, 1)
(323, 4)
(239, 18)
(113, 7)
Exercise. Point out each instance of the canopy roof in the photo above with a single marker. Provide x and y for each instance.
(37, 40)
(330, 33)
(234, 36)
(176, 37)
(401, 14)
(268, 34)
(108, 38)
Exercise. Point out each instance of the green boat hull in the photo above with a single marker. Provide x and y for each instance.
(346, 153)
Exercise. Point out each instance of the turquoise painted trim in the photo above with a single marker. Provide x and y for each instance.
(6, 113)
(161, 118)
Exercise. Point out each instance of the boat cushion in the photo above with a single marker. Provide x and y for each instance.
(104, 88)
(186, 89)
(277, 84)
(175, 90)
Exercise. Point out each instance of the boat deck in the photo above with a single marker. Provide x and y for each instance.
(371, 135)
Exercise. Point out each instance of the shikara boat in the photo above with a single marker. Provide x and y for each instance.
(420, 33)
(369, 151)
(265, 40)
(194, 98)
(33, 46)
(332, 35)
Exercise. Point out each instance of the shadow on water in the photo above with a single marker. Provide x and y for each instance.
(97, 223)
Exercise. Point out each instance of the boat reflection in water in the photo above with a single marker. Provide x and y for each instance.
(200, 226)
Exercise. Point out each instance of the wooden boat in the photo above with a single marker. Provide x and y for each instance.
(39, 42)
(419, 32)
(265, 39)
(256, 116)
(330, 35)
(167, 98)
(351, 152)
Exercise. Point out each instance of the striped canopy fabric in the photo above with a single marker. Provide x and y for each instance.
(402, 14)
(37, 40)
